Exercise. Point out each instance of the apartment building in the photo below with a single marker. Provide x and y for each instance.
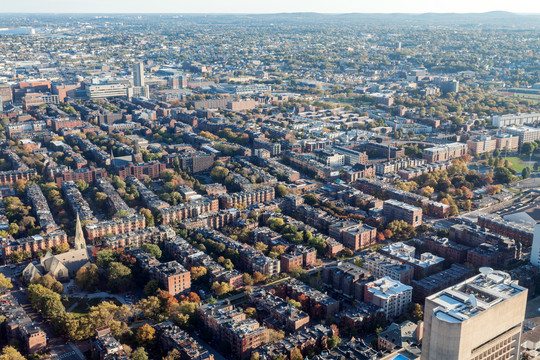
(11, 176)
(32, 243)
(88, 175)
(114, 200)
(397, 210)
(390, 295)
(515, 119)
(213, 220)
(187, 210)
(41, 208)
(525, 134)
(353, 235)
(346, 279)
(519, 232)
(298, 256)
(425, 264)
(230, 326)
(445, 152)
(149, 198)
(20, 327)
(434, 283)
(77, 203)
(131, 222)
(247, 198)
(149, 235)
(171, 337)
(317, 304)
(380, 265)
(281, 315)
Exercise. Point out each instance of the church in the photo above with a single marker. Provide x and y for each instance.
(62, 266)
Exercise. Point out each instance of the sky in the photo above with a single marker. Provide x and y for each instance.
(268, 6)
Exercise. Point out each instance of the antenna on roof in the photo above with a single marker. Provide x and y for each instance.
(472, 301)
(485, 271)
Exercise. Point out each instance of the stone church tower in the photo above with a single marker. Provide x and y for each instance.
(80, 242)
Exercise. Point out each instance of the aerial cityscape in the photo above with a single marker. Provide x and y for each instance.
(271, 186)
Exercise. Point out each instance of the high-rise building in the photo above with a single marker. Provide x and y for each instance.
(480, 318)
(138, 74)
(535, 251)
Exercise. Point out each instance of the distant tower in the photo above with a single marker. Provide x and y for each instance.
(138, 75)
(80, 242)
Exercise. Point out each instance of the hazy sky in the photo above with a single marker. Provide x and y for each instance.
(269, 6)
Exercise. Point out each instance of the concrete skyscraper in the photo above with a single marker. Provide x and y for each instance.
(535, 250)
(478, 319)
(138, 74)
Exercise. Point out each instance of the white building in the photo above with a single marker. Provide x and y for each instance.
(389, 294)
(535, 250)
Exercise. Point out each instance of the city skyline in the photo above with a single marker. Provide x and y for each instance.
(279, 6)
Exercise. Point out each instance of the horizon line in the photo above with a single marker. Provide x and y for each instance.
(267, 13)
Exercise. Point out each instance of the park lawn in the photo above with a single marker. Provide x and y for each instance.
(517, 164)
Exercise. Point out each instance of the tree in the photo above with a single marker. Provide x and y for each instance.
(416, 312)
(174, 354)
(295, 304)
(247, 279)
(258, 277)
(152, 249)
(503, 175)
(87, 277)
(151, 287)
(139, 354)
(296, 354)
(10, 353)
(311, 199)
(82, 185)
(49, 282)
(333, 341)
(526, 172)
(13, 229)
(528, 147)
(454, 211)
(262, 247)
(119, 277)
(149, 217)
(346, 252)
(5, 283)
(100, 198)
(219, 173)
(275, 335)
(121, 213)
(46, 301)
(105, 257)
(145, 335)
(221, 288)
(251, 312)
(281, 190)
(197, 272)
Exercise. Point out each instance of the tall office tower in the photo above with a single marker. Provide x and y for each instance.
(535, 250)
(138, 75)
(478, 319)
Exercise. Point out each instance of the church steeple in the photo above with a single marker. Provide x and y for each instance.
(80, 242)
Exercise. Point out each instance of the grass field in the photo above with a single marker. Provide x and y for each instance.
(519, 163)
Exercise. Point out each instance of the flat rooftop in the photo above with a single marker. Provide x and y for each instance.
(475, 295)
